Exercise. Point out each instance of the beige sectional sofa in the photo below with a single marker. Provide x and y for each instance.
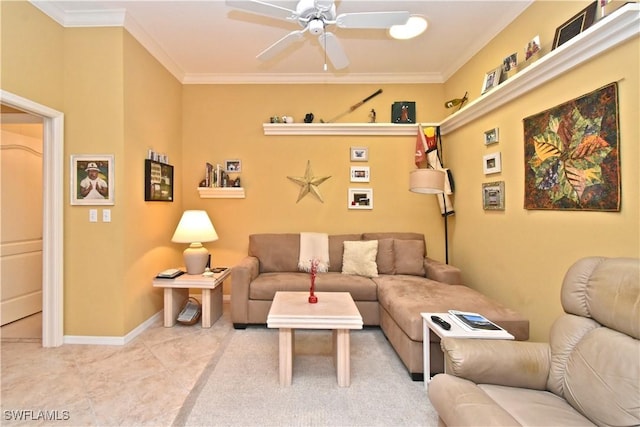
(406, 284)
(587, 374)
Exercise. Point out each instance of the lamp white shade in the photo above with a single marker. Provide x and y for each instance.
(427, 181)
(195, 227)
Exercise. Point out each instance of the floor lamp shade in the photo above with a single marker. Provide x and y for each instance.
(194, 228)
(427, 181)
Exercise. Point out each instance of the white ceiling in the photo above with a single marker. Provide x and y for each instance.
(209, 42)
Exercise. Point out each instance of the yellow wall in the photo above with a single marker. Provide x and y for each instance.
(520, 256)
(225, 122)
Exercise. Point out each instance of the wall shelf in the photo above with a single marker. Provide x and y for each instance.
(612, 30)
(221, 192)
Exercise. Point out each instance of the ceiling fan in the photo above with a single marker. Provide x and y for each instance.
(314, 16)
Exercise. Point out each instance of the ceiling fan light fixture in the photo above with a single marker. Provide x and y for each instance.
(415, 26)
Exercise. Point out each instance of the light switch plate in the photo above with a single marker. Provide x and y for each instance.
(93, 215)
(106, 215)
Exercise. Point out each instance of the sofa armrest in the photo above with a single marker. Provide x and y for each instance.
(503, 362)
(441, 272)
(242, 275)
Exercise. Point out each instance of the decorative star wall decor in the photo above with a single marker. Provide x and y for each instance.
(309, 183)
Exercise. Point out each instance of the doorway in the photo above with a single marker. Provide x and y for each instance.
(52, 214)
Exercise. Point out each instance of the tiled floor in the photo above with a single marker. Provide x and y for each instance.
(142, 383)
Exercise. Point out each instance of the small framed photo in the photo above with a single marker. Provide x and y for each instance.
(359, 173)
(491, 136)
(92, 179)
(158, 181)
(510, 63)
(493, 195)
(491, 79)
(574, 26)
(360, 198)
(532, 48)
(403, 112)
(492, 163)
(233, 166)
(359, 154)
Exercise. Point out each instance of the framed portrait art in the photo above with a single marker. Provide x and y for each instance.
(491, 79)
(92, 179)
(158, 182)
(574, 26)
(360, 198)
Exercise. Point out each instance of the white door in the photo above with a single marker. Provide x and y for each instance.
(20, 220)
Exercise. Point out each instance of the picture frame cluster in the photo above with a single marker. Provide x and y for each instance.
(359, 198)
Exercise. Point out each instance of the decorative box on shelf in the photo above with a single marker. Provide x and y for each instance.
(221, 192)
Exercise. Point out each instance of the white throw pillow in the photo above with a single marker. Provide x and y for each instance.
(360, 258)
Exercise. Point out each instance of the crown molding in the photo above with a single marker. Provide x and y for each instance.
(82, 18)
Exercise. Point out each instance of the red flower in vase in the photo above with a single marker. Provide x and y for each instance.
(314, 271)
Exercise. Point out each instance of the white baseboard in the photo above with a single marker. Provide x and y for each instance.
(98, 340)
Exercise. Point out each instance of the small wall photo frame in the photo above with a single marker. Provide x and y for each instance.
(359, 154)
(233, 166)
(359, 174)
(92, 179)
(491, 79)
(492, 163)
(574, 26)
(491, 136)
(360, 198)
(532, 48)
(158, 181)
(493, 195)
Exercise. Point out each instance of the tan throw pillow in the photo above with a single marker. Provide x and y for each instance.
(384, 259)
(409, 257)
(360, 258)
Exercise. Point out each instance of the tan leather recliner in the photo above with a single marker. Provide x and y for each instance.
(588, 374)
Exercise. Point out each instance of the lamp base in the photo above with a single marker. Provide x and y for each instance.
(196, 257)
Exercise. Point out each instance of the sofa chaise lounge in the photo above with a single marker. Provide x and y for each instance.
(405, 283)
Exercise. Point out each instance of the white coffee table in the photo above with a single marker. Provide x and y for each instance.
(456, 331)
(334, 310)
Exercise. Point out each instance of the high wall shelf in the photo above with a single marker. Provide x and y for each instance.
(221, 192)
(612, 30)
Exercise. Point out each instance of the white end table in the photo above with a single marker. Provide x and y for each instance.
(456, 331)
(176, 291)
(334, 310)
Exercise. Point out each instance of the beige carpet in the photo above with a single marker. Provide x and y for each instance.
(240, 385)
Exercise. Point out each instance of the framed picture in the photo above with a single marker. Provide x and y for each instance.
(359, 173)
(574, 26)
(158, 181)
(509, 63)
(491, 79)
(403, 112)
(532, 48)
(492, 163)
(360, 198)
(233, 166)
(493, 195)
(491, 136)
(359, 154)
(92, 179)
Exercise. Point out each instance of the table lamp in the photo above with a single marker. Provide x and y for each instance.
(430, 181)
(194, 228)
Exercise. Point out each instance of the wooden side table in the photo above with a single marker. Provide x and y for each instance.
(176, 291)
(456, 331)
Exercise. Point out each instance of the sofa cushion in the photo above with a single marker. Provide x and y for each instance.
(404, 297)
(336, 248)
(360, 258)
(265, 286)
(385, 258)
(276, 252)
(409, 257)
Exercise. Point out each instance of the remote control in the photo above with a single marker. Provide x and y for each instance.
(442, 323)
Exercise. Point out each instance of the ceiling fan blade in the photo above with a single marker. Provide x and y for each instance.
(371, 19)
(280, 45)
(264, 8)
(334, 50)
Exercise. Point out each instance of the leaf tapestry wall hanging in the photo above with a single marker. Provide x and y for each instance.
(572, 154)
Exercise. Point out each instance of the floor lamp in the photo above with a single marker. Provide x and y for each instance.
(431, 181)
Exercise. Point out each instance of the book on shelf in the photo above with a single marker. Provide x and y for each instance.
(473, 321)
